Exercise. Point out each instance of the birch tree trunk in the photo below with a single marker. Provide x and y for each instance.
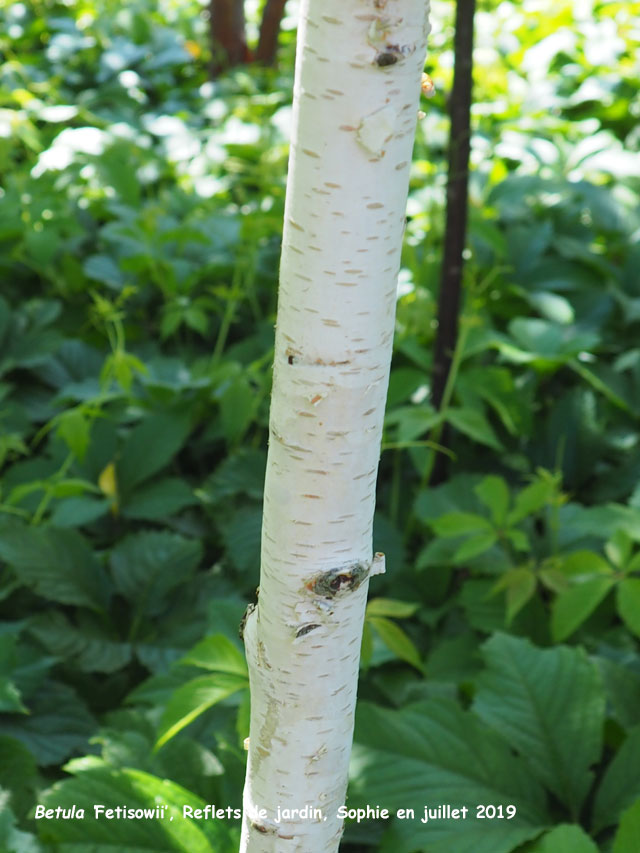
(356, 94)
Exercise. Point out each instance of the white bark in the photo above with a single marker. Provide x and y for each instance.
(357, 87)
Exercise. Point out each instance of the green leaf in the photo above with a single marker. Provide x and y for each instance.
(474, 546)
(620, 785)
(584, 564)
(434, 752)
(549, 706)
(194, 698)
(622, 685)
(103, 268)
(628, 602)
(218, 654)
(574, 605)
(158, 499)
(58, 725)
(520, 585)
(459, 523)
(391, 607)
(88, 644)
(18, 774)
(12, 840)
(238, 404)
(56, 564)
(75, 512)
(148, 566)
(74, 428)
(10, 699)
(494, 494)
(473, 424)
(366, 646)
(519, 540)
(496, 386)
(240, 473)
(530, 500)
(618, 549)
(242, 537)
(626, 840)
(565, 838)
(97, 783)
(549, 342)
(396, 640)
(151, 445)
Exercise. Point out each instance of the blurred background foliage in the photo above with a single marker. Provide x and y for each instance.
(141, 204)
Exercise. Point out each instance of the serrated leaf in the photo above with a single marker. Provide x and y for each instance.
(57, 564)
(434, 752)
(148, 566)
(240, 473)
(574, 605)
(391, 607)
(549, 705)
(88, 644)
(626, 840)
(493, 492)
(396, 640)
(150, 446)
(57, 726)
(459, 523)
(218, 654)
(565, 838)
(628, 603)
(97, 783)
(620, 785)
(194, 698)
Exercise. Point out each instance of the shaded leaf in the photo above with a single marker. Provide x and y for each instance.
(574, 605)
(57, 564)
(150, 446)
(620, 785)
(548, 705)
(434, 752)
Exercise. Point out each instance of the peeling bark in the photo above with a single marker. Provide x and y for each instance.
(354, 121)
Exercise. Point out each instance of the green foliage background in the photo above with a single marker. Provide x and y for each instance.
(140, 215)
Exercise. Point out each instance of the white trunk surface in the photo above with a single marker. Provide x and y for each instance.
(356, 96)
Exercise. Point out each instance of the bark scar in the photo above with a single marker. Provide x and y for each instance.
(343, 579)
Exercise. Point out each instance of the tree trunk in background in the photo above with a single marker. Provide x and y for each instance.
(228, 41)
(456, 216)
(269, 31)
(356, 93)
